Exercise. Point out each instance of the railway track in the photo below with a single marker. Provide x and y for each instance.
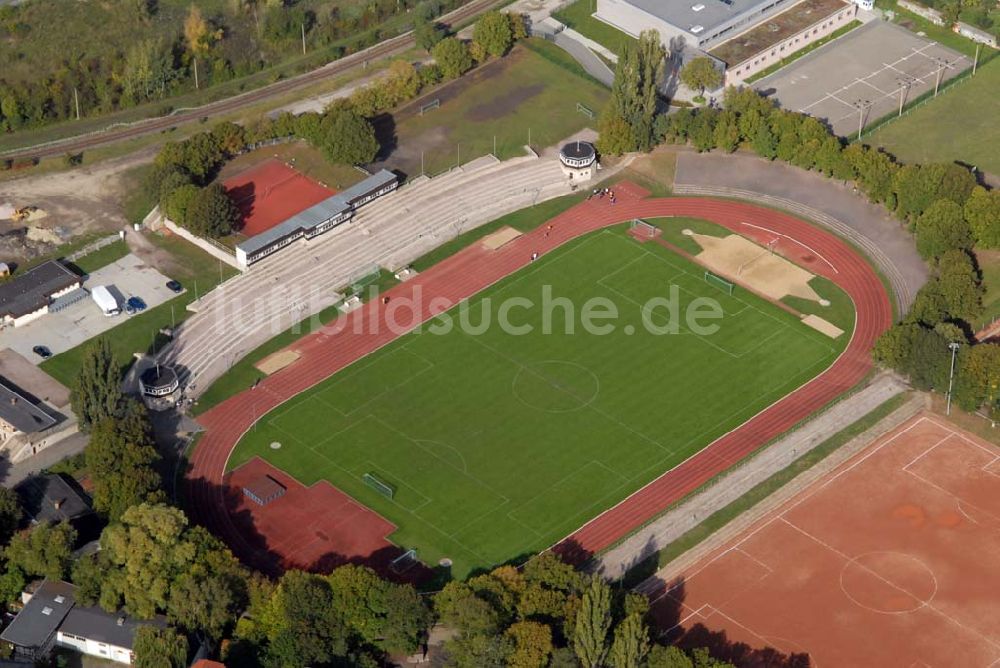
(228, 105)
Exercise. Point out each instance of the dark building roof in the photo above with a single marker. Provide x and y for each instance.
(158, 376)
(51, 498)
(53, 608)
(21, 414)
(31, 290)
(113, 628)
(265, 488)
(577, 150)
(41, 616)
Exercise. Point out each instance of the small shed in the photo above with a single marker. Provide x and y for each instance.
(263, 490)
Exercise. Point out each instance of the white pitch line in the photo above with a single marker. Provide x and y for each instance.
(794, 240)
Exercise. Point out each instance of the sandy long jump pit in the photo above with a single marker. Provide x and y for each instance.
(890, 560)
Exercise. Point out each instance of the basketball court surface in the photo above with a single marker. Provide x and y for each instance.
(862, 75)
(270, 193)
(890, 560)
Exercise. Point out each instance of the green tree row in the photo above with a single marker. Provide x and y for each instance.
(169, 51)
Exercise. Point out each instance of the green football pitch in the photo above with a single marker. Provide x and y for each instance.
(498, 444)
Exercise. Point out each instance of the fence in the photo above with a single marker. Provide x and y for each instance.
(925, 97)
(94, 246)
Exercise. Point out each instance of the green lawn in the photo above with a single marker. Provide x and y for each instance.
(140, 333)
(531, 92)
(961, 124)
(500, 444)
(102, 257)
(579, 17)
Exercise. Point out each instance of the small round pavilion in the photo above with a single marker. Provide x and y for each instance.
(578, 160)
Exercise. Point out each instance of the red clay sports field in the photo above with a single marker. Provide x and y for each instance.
(890, 560)
(464, 274)
(270, 193)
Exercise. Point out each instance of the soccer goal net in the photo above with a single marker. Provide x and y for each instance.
(379, 485)
(641, 227)
(585, 110)
(719, 282)
(430, 106)
(404, 562)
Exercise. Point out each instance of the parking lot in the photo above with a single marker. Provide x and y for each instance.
(68, 328)
(862, 76)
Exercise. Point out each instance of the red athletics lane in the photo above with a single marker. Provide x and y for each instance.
(462, 275)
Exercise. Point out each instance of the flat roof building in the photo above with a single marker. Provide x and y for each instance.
(28, 296)
(316, 219)
(699, 23)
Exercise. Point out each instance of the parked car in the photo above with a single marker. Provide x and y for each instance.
(174, 286)
(136, 304)
(42, 351)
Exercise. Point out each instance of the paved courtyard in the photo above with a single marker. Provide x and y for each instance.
(68, 328)
(862, 76)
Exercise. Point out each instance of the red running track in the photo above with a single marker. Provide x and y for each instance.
(323, 353)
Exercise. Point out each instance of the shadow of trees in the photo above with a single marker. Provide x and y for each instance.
(677, 626)
(257, 551)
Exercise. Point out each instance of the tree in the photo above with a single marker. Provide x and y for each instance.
(919, 186)
(453, 57)
(176, 203)
(634, 94)
(384, 614)
(427, 33)
(959, 285)
(631, 643)
(198, 35)
(942, 228)
(493, 33)
(875, 172)
(615, 135)
(592, 623)
(401, 84)
(155, 647)
(44, 550)
(532, 645)
(347, 137)
(121, 460)
(211, 213)
(727, 132)
(229, 137)
(10, 514)
(458, 606)
(97, 394)
(668, 657)
(982, 213)
(701, 73)
(305, 627)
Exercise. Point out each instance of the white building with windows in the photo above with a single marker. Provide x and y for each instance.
(316, 219)
(50, 617)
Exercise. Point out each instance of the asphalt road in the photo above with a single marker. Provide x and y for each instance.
(336, 68)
